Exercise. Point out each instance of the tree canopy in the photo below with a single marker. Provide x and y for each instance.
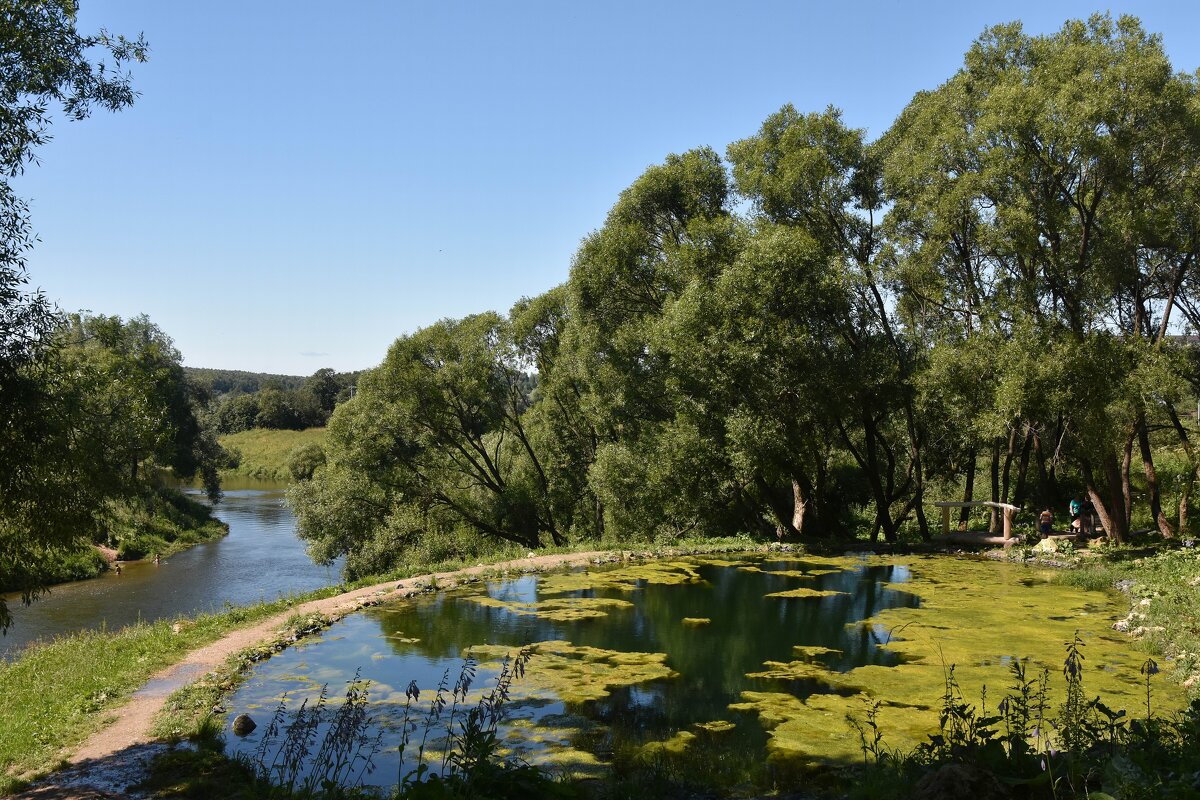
(51, 485)
(820, 332)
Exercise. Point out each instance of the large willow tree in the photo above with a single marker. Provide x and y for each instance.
(821, 332)
(1045, 207)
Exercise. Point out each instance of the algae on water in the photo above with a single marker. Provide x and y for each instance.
(560, 609)
(974, 615)
(573, 673)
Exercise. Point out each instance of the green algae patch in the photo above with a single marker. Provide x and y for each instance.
(716, 726)
(810, 651)
(785, 573)
(574, 673)
(546, 742)
(819, 729)
(696, 621)
(797, 573)
(806, 592)
(713, 561)
(798, 670)
(624, 579)
(975, 615)
(675, 746)
(559, 609)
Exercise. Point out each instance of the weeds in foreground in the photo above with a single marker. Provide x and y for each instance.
(286, 759)
(1023, 749)
(453, 745)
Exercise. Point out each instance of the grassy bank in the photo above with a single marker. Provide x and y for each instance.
(1164, 592)
(58, 693)
(163, 521)
(266, 454)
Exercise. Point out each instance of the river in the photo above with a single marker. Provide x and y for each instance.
(260, 559)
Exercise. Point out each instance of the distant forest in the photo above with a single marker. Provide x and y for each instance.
(239, 401)
(236, 381)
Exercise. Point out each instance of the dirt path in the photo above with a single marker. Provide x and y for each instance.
(130, 723)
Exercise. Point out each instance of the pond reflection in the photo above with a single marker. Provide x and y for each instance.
(708, 663)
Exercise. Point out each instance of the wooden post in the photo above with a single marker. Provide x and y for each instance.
(946, 519)
(1008, 519)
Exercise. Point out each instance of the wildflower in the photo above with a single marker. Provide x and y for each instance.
(1149, 668)
(412, 692)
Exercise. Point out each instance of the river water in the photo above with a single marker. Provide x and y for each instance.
(260, 559)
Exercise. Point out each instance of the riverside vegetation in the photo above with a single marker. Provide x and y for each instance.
(812, 336)
(817, 335)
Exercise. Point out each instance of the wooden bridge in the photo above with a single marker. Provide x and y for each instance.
(1006, 539)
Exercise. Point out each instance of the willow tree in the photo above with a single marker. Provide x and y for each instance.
(759, 350)
(1043, 192)
(813, 172)
(655, 468)
(432, 445)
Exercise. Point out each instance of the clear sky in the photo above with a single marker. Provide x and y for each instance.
(301, 182)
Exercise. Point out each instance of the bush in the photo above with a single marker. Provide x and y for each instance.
(304, 461)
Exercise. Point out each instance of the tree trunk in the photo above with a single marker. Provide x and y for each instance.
(1023, 468)
(919, 510)
(1005, 472)
(1126, 478)
(1184, 495)
(1152, 489)
(1046, 497)
(964, 513)
(783, 516)
(1112, 511)
(799, 507)
(1188, 450)
(994, 519)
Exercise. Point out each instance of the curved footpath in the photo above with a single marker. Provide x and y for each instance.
(116, 755)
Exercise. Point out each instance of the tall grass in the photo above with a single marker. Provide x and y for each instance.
(263, 454)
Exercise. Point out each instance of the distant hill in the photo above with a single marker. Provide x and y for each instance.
(236, 381)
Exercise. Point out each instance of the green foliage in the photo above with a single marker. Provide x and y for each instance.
(1084, 750)
(246, 401)
(821, 333)
(50, 484)
(304, 461)
(123, 412)
(267, 454)
(220, 382)
(433, 442)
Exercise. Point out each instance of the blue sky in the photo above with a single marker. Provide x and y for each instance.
(301, 182)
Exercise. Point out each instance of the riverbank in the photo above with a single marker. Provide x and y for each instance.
(164, 521)
(232, 645)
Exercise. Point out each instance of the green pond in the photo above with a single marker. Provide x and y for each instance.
(757, 659)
